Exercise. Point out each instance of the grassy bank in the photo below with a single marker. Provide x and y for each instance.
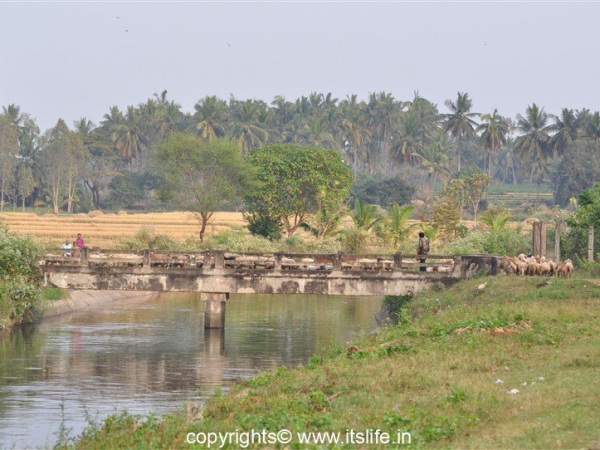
(444, 375)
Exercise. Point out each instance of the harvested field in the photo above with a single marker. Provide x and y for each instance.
(105, 230)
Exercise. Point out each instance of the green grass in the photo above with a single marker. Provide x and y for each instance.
(435, 376)
(50, 293)
(501, 188)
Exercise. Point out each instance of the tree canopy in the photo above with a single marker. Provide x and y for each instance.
(295, 181)
(201, 176)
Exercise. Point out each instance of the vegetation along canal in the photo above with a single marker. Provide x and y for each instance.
(153, 354)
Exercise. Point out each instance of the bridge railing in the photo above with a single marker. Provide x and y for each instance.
(217, 259)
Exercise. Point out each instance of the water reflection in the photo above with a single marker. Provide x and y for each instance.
(152, 354)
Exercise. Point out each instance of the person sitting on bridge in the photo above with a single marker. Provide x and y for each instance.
(422, 249)
(78, 245)
(66, 246)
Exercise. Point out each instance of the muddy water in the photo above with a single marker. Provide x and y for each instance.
(153, 354)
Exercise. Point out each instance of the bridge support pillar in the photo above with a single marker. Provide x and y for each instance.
(214, 309)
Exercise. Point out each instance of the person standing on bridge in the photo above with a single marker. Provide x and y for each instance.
(422, 249)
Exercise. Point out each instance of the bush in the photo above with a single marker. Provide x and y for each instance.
(499, 242)
(261, 225)
(146, 238)
(20, 287)
(238, 240)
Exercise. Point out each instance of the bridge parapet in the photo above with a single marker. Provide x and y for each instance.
(277, 261)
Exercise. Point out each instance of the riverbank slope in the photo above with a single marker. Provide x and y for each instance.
(503, 362)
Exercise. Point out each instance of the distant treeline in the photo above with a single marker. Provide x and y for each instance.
(111, 164)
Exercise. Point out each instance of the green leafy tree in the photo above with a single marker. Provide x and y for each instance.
(9, 149)
(382, 191)
(201, 176)
(295, 181)
(61, 160)
(475, 186)
(25, 183)
(578, 171)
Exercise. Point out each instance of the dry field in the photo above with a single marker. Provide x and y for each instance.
(105, 230)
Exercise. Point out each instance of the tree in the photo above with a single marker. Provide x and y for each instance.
(494, 130)
(495, 218)
(365, 216)
(294, 181)
(128, 137)
(396, 224)
(475, 187)
(201, 176)
(579, 171)
(25, 182)
(246, 126)
(459, 123)
(533, 145)
(209, 119)
(62, 159)
(566, 128)
(9, 149)
(382, 191)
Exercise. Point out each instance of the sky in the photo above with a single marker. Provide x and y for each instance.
(77, 59)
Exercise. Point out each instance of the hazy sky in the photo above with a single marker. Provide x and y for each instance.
(77, 59)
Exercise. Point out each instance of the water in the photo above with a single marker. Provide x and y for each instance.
(153, 354)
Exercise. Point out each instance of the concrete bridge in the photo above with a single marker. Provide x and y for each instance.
(217, 274)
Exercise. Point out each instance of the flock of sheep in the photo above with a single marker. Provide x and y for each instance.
(536, 265)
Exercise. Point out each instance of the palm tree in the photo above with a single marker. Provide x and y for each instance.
(434, 160)
(355, 130)
(314, 133)
(364, 216)
(459, 123)
(245, 125)
(396, 223)
(128, 137)
(496, 220)
(382, 111)
(590, 124)
(566, 129)
(283, 113)
(209, 119)
(508, 163)
(533, 145)
(493, 135)
(13, 112)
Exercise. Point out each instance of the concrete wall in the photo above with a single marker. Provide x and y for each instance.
(242, 281)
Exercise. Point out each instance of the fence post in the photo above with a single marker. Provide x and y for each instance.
(591, 244)
(397, 261)
(219, 259)
(207, 262)
(557, 241)
(85, 256)
(337, 261)
(146, 258)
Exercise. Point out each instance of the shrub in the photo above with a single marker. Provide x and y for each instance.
(146, 238)
(500, 242)
(20, 287)
(238, 240)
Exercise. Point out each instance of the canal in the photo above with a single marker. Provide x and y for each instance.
(152, 354)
